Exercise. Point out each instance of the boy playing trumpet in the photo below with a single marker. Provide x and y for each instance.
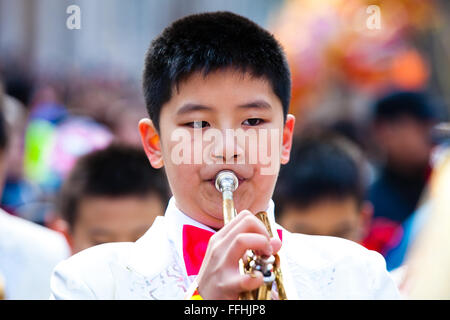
(205, 75)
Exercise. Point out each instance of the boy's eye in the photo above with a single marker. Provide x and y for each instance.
(198, 124)
(252, 122)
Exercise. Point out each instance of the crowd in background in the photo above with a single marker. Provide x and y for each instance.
(371, 105)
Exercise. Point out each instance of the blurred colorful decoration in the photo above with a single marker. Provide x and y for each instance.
(53, 142)
(74, 138)
(39, 139)
(334, 46)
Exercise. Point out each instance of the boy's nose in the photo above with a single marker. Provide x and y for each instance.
(228, 150)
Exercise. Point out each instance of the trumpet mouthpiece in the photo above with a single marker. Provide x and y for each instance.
(226, 180)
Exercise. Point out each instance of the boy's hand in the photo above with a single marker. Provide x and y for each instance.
(219, 276)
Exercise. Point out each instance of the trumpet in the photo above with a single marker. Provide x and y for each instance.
(226, 183)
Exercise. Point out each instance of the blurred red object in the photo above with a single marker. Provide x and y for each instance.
(383, 234)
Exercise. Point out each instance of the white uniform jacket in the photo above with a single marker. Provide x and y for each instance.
(153, 267)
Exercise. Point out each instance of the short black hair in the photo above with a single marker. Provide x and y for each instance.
(323, 165)
(209, 42)
(415, 104)
(116, 171)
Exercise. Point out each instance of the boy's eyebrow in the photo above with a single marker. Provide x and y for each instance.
(257, 104)
(189, 107)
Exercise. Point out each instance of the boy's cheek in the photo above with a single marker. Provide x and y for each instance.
(184, 176)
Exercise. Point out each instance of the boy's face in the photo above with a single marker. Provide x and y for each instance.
(406, 143)
(113, 219)
(341, 218)
(198, 123)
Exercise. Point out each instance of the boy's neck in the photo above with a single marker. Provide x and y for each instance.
(269, 209)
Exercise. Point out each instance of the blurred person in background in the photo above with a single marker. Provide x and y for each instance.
(28, 251)
(16, 188)
(111, 195)
(401, 123)
(321, 190)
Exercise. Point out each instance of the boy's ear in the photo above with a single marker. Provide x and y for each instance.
(151, 143)
(60, 225)
(288, 133)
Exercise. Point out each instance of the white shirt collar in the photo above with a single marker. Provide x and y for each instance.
(175, 220)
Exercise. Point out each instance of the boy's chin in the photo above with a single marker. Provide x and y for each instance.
(214, 208)
(215, 212)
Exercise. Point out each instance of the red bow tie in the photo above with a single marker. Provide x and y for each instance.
(195, 242)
